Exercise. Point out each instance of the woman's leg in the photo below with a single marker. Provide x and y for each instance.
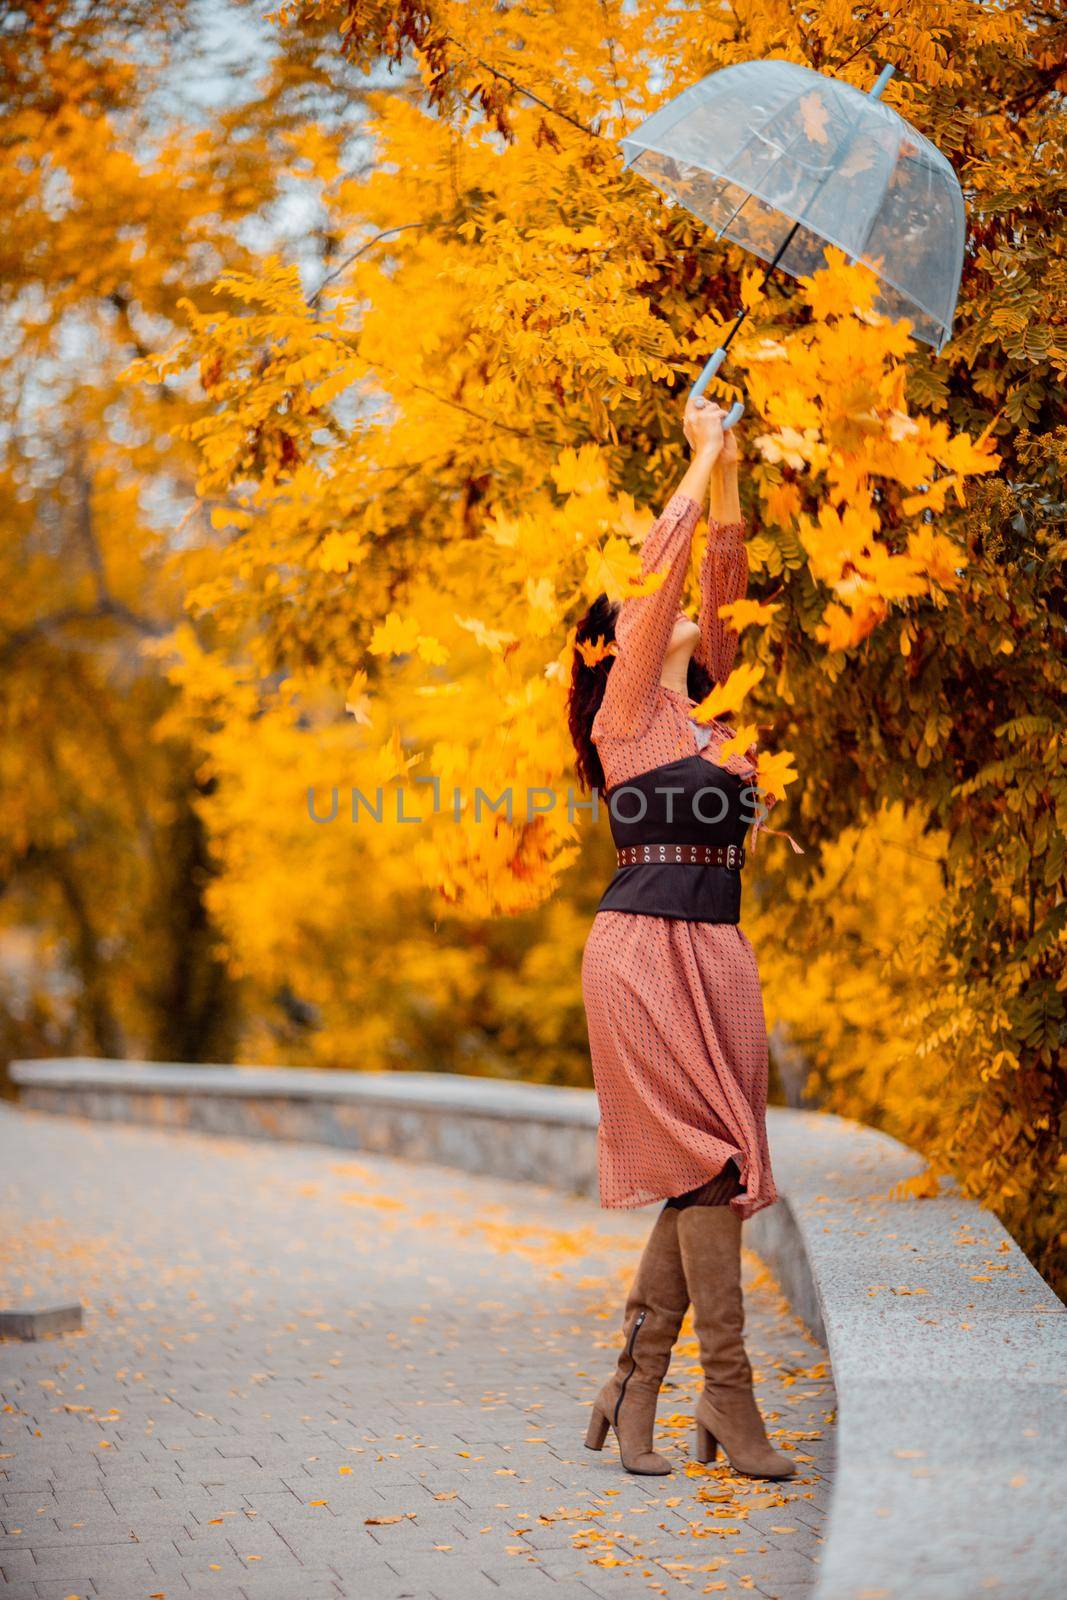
(709, 1241)
(657, 1302)
(717, 1192)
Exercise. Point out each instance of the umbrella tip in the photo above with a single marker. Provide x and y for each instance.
(881, 80)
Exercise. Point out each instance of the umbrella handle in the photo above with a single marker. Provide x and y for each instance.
(715, 361)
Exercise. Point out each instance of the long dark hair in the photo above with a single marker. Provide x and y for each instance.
(596, 630)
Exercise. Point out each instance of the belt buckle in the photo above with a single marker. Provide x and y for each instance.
(732, 855)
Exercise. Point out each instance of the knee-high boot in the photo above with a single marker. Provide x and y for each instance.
(655, 1307)
(709, 1239)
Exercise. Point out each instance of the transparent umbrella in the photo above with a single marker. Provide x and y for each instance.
(784, 161)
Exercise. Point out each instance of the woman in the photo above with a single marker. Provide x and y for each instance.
(671, 988)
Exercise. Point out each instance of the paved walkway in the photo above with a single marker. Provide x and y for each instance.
(304, 1374)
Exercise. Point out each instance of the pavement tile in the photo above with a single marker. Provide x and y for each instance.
(287, 1347)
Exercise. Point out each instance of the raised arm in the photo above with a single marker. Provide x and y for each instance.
(723, 568)
(645, 622)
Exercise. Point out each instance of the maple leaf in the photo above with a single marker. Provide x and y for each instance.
(579, 471)
(741, 613)
(727, 697)
(839, 288)
(932, 498)
(891, 576)
(339, 551)
(965, 457)
(615, 570)
(781, 503)
(789, 445)
(594, 650)
(395, 636)
(774, 773)
(493, 639)
(937, 556)
(742, 742)
(840, 629)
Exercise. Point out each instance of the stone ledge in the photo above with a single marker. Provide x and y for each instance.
(949, 1351)
(41, 1321)
(533, 1132)
(949, 1354)
(488, 1097)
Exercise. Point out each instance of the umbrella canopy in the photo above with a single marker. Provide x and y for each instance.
(768, 152)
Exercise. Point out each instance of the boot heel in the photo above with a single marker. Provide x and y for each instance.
(597, 1431)
(707, 1446)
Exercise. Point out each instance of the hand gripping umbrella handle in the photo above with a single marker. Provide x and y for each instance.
(737, 410)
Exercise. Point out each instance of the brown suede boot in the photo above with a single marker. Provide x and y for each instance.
(709, 1238)
(656, 1304)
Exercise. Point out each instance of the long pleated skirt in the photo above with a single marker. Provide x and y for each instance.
(678, 1042)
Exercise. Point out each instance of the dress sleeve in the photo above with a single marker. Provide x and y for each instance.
(645, 623)
(723, 579)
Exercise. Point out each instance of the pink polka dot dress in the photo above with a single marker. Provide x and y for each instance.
(674, 1007)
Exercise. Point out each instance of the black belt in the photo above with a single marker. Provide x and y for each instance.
(705, 855)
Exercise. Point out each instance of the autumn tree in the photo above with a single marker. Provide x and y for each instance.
(117, 199)
(430, 456)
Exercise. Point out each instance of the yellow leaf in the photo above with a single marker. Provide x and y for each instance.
(751, 288)
(937, 556)
(493, 639)
(339, 551)
(781, 503)
(396, 636)
(594, 650)
(789, 446)
(431, 650)
(727, 697)
(931, 498)
(966, 458)
(741, 613)
(838, 288)
(774, 773)
(741, 743)
(841, 629)
(230, 517)
(923, 1186)
(580, 471)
